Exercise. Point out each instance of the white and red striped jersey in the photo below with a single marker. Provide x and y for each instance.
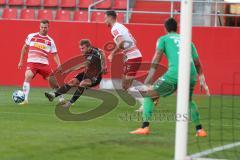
(131, 51)
(39, 48)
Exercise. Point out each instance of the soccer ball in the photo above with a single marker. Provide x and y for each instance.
(18, 96)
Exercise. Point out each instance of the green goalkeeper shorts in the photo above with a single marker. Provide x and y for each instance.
(165, 87)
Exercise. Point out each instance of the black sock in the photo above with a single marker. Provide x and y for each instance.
(62, 90)
(145, 124)
(77, 94)
(198, 127)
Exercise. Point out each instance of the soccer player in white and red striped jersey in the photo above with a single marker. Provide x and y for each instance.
(125, 43)
(39, 46)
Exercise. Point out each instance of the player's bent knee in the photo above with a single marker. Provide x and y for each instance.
(85, 83)
(28, 75)
(73, 82)
(153, 94)
(126, 84)
(28, 79)
(52, 82)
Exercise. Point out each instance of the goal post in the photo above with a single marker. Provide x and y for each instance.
(183, 80)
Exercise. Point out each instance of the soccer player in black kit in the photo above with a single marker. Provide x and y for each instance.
(94, 66)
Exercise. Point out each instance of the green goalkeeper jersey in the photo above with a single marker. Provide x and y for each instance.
(169, 44)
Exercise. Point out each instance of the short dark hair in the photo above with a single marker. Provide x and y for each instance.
(44, 21)
(111, 13)
(85, 42)
(171, 25)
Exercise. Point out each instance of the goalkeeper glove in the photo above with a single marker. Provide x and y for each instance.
(203, 84)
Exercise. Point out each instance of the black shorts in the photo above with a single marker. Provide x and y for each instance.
(95, 80)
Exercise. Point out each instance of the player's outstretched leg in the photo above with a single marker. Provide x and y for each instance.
(26, 85)
(140, 109)
(148, 105)
(82, 86)
(195, 116)
(75, 97)
(54, 85)
(147, 114)
(62, 90)
(130, 85)
(200, 132)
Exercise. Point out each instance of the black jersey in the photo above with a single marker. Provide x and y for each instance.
(94, 68)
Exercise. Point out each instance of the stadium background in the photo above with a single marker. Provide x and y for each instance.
(217, 47)
(34, 132)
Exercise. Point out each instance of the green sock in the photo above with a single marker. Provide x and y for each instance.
(194, 113)
(147, 109)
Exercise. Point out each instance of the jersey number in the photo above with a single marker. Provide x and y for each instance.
(177, 42)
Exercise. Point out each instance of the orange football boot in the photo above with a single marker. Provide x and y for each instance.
(141, 131)
(201, 133)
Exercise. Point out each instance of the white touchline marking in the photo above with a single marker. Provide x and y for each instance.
(216, 149)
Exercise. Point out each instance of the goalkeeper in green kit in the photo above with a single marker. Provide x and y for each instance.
(167, 84)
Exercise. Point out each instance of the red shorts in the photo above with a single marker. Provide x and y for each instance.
(37, 68)
(131, 66)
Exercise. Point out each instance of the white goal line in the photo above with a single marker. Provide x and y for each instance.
(208, 159)
(213, 150)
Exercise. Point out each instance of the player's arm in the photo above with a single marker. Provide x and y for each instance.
(103, 61)
(120, 43)
(57, 59)
(202, 80)
(196, 60)
(199, 69)
(55, 55)
(119, 47)
(198, 66)
(154, 65)
(77, 67)
(24, 50)
(156, 59)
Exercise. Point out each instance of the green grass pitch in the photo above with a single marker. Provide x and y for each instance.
(34, 132)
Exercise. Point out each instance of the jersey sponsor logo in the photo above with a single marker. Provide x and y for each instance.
(40, 46)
